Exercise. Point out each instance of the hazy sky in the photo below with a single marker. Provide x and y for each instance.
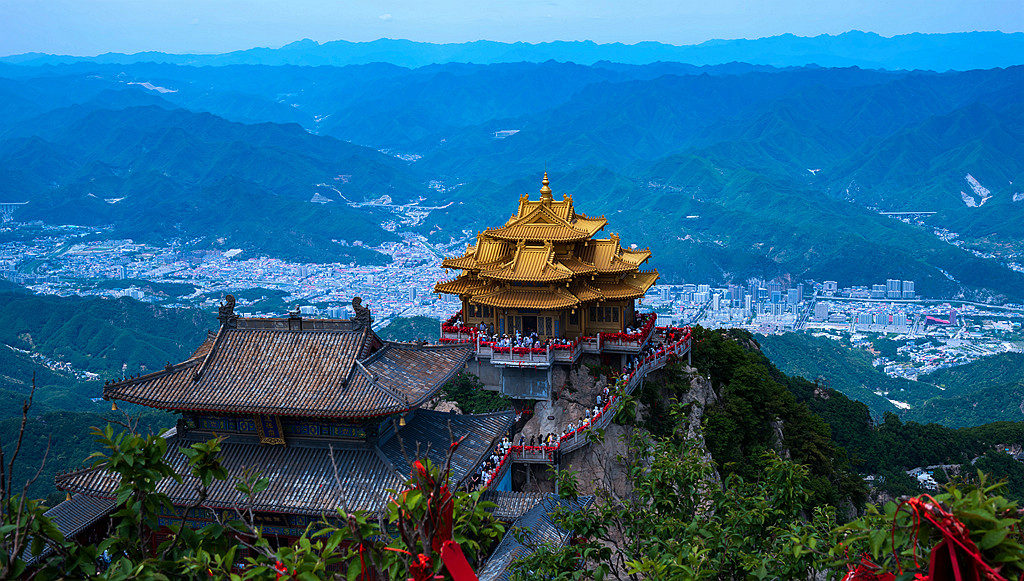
(87, 27)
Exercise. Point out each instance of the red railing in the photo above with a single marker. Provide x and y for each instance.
(630, 340)
(521, 355)
(576, 438)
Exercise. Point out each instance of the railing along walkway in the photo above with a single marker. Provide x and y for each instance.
(578, 438)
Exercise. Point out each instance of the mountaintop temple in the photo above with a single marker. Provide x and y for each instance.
(544, 276)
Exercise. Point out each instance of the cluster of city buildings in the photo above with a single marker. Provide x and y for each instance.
(74, 260)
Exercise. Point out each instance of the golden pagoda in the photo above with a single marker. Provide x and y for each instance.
(545, 272)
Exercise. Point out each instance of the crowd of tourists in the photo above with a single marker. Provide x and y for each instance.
(491, 465)
(486, 334)
(549, 442)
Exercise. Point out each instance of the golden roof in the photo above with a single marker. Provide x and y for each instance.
(531, 263)
(631, 287)
(606, 255)
(544, 224)
(584, 292)
(576, 265)
(562, 267)
(635, 257)
(462, 285)
(488, 253)
(533, 298)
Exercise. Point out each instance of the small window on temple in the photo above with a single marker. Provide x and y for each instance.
(593, 313)
(615, 314)
(574, 319)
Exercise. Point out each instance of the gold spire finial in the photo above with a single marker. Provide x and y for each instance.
(544, 189)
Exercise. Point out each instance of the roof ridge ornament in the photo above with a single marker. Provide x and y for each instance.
(226, 312)
(545, 191)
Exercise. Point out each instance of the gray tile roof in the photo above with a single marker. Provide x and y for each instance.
(426, 433)
(302, 477)
(73, 516)
(510, 504)
(535, 527)
(319, 370)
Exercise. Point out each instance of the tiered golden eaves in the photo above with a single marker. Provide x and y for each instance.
(546, 257)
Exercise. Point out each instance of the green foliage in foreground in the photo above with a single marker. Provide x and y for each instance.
(234, 548)
(680, 523)
(900, 538)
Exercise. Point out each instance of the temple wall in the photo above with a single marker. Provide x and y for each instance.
(489, 375)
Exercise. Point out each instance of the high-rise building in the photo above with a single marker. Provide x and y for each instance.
(800, 292)
(877, 291)
(830, 287)
(748, 301)
(820, 311)
(776, 297)
(717, 303)
(703, 288)
(793, 296)
(908, 289)
(892, 288)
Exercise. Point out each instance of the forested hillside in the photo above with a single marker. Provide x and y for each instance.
(753, 398)
(990, 389)
(55, 341)
(411, 329)
(727, 171)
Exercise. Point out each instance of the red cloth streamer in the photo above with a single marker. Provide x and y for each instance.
(955, 558)
(456, 563)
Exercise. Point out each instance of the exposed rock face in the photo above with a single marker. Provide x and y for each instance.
(578, 395)
(778, 439)
(606, 466)
(444, 405)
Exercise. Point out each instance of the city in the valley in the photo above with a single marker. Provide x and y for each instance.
(74, 260)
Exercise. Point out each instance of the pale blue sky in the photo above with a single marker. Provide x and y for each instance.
(87, 27)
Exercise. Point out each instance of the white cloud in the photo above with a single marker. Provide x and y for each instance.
(385, 17)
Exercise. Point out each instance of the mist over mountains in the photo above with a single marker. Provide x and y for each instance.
(727, 171)
(939, 52)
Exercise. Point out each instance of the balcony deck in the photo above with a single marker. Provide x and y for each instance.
(555, 354)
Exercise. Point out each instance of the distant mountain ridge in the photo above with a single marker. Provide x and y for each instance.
(727, 171)
(939, 52)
